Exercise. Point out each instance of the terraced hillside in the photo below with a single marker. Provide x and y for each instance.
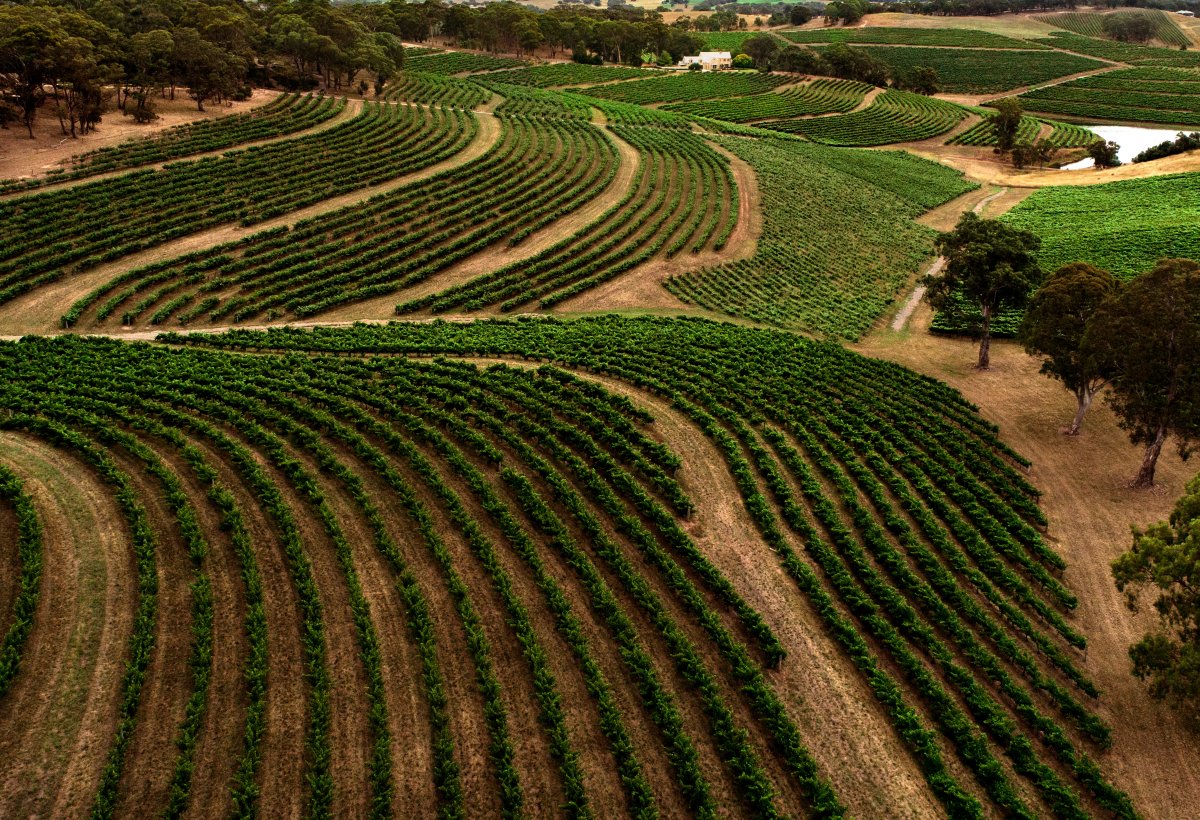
(1122, 52)
(1060, 134)
(655, 567)
(983, 71)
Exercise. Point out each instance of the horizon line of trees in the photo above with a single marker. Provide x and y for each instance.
(78, 56)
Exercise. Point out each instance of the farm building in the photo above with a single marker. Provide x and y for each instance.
(708, 60)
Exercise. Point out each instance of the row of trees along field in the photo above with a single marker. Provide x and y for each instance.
(769, 53)
(75, 55)
(1141, 338)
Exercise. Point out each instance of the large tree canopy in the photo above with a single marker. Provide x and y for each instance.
(1148, 337)
(989, 264)
(1054, 325)
(1166, 556)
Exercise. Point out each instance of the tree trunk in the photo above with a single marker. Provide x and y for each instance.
(1084, 397)
(985, 341)
(1145, 476)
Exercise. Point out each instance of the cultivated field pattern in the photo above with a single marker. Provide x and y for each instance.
(492, 588)
(495, 444)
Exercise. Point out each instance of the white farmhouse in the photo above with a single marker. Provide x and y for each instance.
(709, 60)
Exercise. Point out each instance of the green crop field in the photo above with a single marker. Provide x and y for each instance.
(979, 71)
(838, 237)
(394, 241)
(286, 114)
(46, 236)
(822, 96)
(894, 116)
(563, 74)
(1122, 52)
(459, 62)
(1061, 134)
(730, 41)
(689, 85)
(527, 438)
(535, 539)
(684, 200)
(436, 89)
(1123, 226)
(882, 35)
(1153, 95)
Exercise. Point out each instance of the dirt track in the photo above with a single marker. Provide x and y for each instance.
(59, 717)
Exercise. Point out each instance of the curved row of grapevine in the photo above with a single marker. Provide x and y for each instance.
(894, 116)
(1161, 95)
(285, 114)
(530, 101)
(1122, 52)
(459, 62)
(44, 237)
(435, 89)
(888, 502)
(823, 96)
(622, 113)
(574, 540)
(688, 85)
(683, 198)
(541, 169)
(27, 576)
(1062, 135)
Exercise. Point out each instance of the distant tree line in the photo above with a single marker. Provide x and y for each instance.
(83, 55)
(837, 60)
(1182, 142)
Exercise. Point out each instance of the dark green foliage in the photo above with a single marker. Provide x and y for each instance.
(1165, 557)
(988, 264)
(29, 580)
(1054, 326)
(821, 444)
(1148, 337)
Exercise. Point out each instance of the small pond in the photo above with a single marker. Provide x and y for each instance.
(1132, 139)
